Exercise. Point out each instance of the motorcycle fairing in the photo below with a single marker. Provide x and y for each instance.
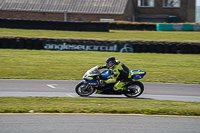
(137, 74)
(106, 74)
(106, 89)
(93, 73)
(91, 83)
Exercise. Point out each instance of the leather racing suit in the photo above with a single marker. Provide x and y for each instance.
(121, 76)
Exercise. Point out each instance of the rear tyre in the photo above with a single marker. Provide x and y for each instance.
(84, 90)
(134, 89)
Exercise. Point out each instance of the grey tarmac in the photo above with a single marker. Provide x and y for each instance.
(96, 123)
(65, 88)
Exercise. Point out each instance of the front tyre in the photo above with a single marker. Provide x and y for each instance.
(134, 89)
(84, 90)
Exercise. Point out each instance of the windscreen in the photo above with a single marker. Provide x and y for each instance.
(94, 70)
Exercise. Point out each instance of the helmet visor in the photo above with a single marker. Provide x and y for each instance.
(110, 64)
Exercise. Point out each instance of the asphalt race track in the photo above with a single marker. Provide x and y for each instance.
(65, 88)
(95, 123)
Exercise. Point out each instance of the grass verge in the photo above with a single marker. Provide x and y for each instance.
(71, 65)
(113, 34)
(97, 105)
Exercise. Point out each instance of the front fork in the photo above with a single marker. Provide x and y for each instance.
(87, 85)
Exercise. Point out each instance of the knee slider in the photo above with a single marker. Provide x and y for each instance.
(115, 88)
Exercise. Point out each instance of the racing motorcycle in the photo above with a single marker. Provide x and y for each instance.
(91, 83)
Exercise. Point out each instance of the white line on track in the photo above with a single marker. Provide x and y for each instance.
(70, 95)
(52, 85)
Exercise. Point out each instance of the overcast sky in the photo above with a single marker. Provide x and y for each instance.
(198, 2)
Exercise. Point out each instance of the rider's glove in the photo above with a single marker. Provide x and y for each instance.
(99, 67)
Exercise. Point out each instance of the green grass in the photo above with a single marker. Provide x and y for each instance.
(71, 65)
(97, 105)
(113, 34)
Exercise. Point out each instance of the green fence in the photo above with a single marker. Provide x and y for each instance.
(188, 27)
(178, 27)
(164, 27)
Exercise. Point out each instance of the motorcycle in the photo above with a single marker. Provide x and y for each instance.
(91, 83)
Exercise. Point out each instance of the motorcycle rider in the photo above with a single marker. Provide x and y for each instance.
(121, 75)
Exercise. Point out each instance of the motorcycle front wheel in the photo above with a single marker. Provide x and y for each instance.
(134, 89)
(84, 90)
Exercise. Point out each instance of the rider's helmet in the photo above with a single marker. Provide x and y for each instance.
(110, 62)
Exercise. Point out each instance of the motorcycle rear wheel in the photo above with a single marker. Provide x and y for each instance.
(134, 89)
(84, 90)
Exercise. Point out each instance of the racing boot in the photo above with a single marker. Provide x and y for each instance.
(121, 90)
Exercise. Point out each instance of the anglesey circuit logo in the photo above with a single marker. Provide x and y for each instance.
(112, 48)
(127, 48)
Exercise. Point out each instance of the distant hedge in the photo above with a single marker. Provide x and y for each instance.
(54, 25)
(72, 26)
(146, 27)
